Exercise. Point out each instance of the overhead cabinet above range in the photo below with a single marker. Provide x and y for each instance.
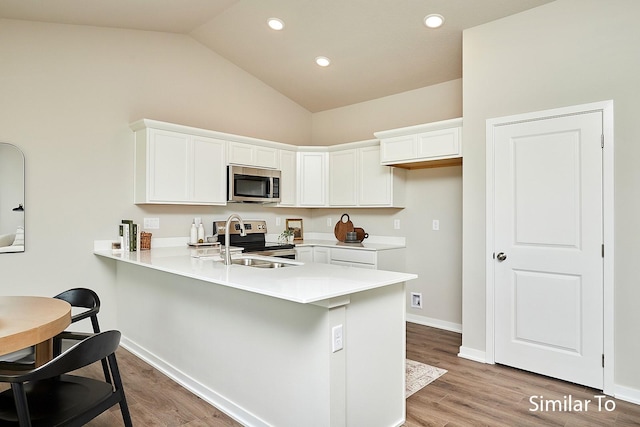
(252, 155)
(422, 146)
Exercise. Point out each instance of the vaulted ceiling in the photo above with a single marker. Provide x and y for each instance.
(377, 47)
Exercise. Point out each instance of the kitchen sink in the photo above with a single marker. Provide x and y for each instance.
(261, 263)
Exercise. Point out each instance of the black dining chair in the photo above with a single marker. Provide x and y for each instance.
(50, 396)
(77, 298)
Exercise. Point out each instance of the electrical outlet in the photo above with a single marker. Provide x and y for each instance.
(435, 225)
(416, 300)
(329, 223)
(396, 224)
(337, 342)
(151, 223)
(278, 221)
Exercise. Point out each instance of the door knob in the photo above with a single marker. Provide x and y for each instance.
(501, 256)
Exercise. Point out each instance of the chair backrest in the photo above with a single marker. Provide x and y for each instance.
(84, 298)
(85, 352)
(80, 297)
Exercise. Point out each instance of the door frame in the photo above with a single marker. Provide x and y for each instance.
(606, 107)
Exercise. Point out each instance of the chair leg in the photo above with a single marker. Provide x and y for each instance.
(57, 346)
(117, 382)
(105, 370)
(22, 408)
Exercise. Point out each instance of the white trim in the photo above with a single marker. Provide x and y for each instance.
(234, 411)
(472, 354)
(434, 323)
(608, 227)
(628, 394)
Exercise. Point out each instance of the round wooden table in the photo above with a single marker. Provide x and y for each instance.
(28, 321)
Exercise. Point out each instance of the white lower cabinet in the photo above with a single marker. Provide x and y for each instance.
(317, 254)
(304, 253)
(178, 168)
(354, 258)
(321, 255)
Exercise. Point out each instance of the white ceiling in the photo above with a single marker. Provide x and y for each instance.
(377, 47)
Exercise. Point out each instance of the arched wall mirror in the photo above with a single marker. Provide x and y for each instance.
(11, 198)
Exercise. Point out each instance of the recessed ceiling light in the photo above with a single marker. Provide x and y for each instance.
(323, 61)
(275, 24)
(434, 20)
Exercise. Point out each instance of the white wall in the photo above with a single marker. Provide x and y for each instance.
(68, 96)
(567, 52)
(357, 122)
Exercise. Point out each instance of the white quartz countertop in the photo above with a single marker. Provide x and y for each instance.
(364, 246)
(301, 283)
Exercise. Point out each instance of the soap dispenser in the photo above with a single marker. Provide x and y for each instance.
(193, 238)
(201, 233)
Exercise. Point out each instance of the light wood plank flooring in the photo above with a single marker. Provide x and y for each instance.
(470, 394)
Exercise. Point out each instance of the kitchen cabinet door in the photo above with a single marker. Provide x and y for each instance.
(209, 183)
(343, 176)
(304, 253)
(321, 255)
(439, 144)
(177, 168)
(376, 181)
(287, 178)
(167, 167)
(312, 178)
(253, 155)
(399, 148)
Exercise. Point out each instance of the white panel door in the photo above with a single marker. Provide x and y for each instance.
(548, 234)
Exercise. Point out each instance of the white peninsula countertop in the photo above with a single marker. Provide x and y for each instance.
(301, 282)
(309, 334)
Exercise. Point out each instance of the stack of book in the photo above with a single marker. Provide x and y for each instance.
(129, 236)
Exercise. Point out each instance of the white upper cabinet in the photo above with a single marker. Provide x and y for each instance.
(356, 177)
(253, 155)
(312, 178)
(178, 168)
(288, 178)
(429, 145)
(379, 185)
(343, 178)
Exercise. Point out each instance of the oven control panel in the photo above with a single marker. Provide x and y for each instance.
(250, 226)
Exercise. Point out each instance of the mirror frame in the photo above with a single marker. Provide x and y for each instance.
(18, 248)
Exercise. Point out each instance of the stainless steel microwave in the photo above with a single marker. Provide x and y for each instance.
(255, 185)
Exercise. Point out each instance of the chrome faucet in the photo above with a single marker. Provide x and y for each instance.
(243, 232)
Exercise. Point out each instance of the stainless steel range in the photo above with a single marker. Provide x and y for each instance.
(255, 240)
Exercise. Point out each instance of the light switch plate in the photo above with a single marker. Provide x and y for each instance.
(337, 341)
(151, 223)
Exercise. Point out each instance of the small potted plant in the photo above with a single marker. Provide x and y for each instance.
(286, 236)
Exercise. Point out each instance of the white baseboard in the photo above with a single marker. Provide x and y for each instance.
(627, 394)
(472, 354)
(236, 412)
(434, 323)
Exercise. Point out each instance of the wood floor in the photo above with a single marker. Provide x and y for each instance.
(469, 394)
